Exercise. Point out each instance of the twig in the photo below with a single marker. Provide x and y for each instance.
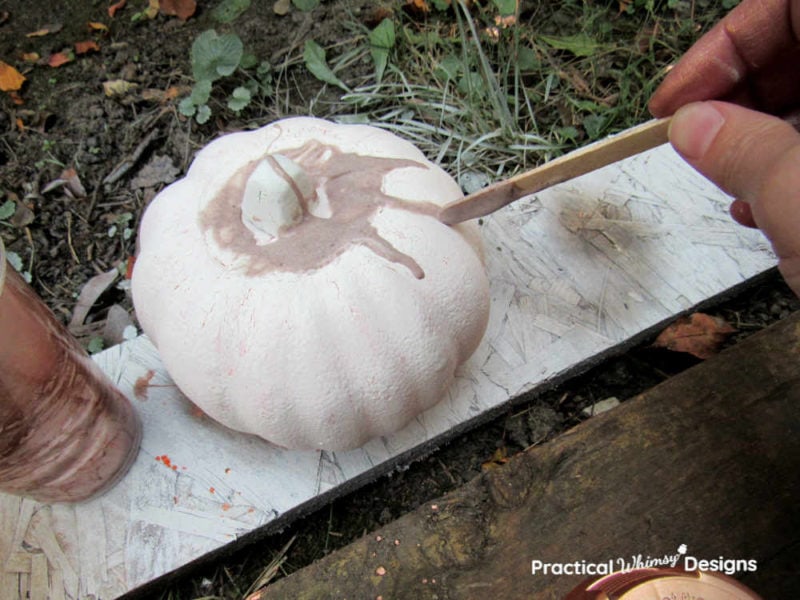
(69, 238)
(126, 165)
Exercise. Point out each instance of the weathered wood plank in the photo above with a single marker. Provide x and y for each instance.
(710, 459)
(577, 271)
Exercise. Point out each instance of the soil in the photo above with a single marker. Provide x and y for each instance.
(123, 149)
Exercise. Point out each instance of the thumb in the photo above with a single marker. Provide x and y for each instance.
(754, 157)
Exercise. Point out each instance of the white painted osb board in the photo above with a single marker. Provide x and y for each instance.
(576, 271)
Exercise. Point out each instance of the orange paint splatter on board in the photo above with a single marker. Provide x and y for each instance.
(227, 471)
(165, 460)
(212, 490)
(141, 385)
(226, 506)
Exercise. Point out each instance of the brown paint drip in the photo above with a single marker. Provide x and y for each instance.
(352, 184)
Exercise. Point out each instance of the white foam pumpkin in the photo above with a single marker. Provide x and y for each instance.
(299, 286)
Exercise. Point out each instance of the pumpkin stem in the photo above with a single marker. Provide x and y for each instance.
(275, 197)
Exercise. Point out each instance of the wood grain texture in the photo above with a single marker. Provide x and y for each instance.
(709, 459)
(577, 271)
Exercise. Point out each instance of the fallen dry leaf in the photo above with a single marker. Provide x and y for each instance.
(418, 6)
(10, 79)
(86, 46)
(129, 266)
(499, 457)
(45, 30)
(30, 57)
(117, 87)
(97, 26)
(699, 334)
(152, 9)
(158, 170)
(183, 9)
(71, 183)
(172, 92)
(281, 7)
(112, 10)
(91, 291)
(61, 58)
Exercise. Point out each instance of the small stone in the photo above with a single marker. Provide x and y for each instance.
(380, 571)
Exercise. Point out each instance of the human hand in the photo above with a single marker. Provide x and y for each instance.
(751, 59)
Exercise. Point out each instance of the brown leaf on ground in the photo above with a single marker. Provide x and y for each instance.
(69, 181)
(699, 334)
(90, 292)
(152, 9)
(183, 9)
(171, 93)
(158, 170)
(98, 26)
(282, 7)
(86, 46)
(61, 58)
(10, 79)
(499, 457)
(112, 10)
(117, 87)
(45, 30)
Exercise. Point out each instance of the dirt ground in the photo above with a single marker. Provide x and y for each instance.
(122, 149)
(72, 225)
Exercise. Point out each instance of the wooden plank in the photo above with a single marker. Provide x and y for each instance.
(709, 459)
(576, 272)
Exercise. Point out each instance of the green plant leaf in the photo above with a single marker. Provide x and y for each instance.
(215, 56)
(305, 5)
(472, 85)
(579, 44)
(249, 60)
(95, 345)
(441, 4)
(7, 210)
(382, 40)
(201, 92)
(186, 107)
(240, 97)
(383, 35)
(527, 59)
(203, 114)
(314, 57)
(594, 126)
(228, 10)
(449, 67)
(506, 7)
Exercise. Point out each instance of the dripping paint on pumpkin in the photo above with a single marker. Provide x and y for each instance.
(353, 186)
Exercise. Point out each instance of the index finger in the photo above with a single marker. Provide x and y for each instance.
(748, 39)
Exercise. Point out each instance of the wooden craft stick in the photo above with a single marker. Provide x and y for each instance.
(589, 158)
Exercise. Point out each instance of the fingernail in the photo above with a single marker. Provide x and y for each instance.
(694, 127)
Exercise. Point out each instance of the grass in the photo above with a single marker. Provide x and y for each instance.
(484, 101)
